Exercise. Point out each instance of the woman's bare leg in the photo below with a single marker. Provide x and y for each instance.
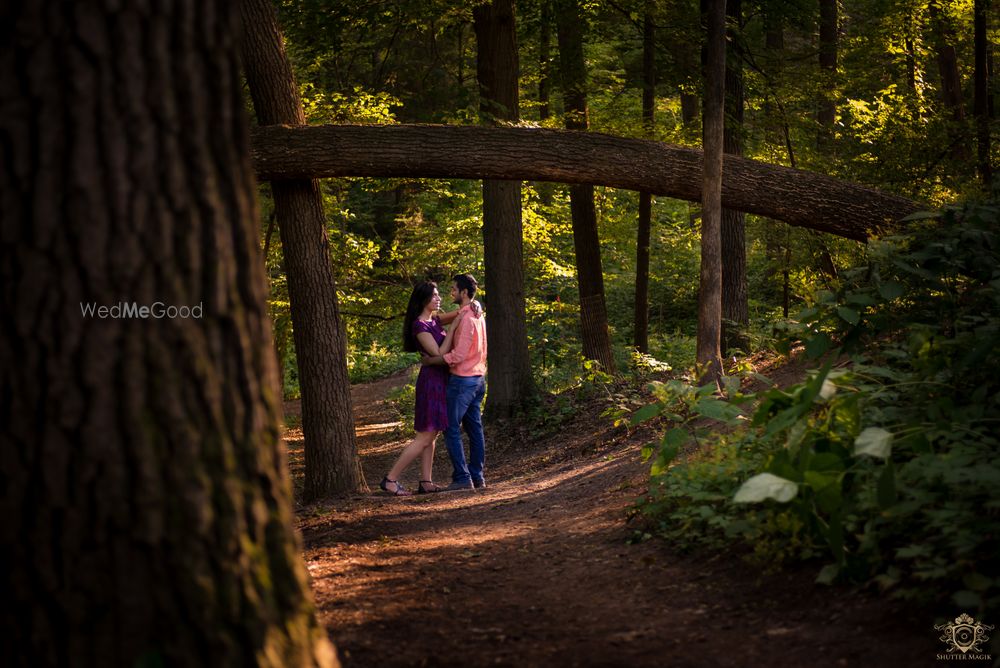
(427, 458)
(410, 452)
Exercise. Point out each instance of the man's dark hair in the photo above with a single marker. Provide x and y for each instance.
(466, 282)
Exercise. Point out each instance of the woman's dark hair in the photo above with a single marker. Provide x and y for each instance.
(422, 294)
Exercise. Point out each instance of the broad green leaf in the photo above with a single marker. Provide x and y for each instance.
(647, 452)
(828, 574)
(716, 409)
(860, 298)
(674, 438)
(890, 290)
(645, 413)
(766, 486)
(849, 314)
(922, 215)
(874, 442)
(731, 385)
(826, 461)
(887, 486)
(826, 487)
(818, 344)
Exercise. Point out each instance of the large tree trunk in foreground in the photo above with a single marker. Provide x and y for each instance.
(797, 197)
(331, 459)
(145, 495)
(735, 309)
(710, 284)
(511, 382)
(589, 271)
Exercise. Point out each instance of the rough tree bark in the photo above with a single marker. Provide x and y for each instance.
(589, 271)
(982, 87)
(331, 461)
(735, 309)
(951, 83)
(797, 197)
(544, 65)
(145, 495)
(828, 45)
(641, 333)
(710, 283)
(512, 384)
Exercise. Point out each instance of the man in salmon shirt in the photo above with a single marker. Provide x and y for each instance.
(466, 389)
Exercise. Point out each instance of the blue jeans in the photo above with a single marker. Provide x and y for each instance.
(465, 399)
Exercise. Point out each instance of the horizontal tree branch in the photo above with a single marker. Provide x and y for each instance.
(797, 197)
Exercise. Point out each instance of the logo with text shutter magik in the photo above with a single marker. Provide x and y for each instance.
(964, 638)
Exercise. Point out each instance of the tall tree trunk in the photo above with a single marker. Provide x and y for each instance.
(544, 58)
(982, 94)
(735, 310)
(713, 115)
(589, 272)
(331, 460)
(951, 82)
(145, 494)
(828, 46)
(641, 334)
(546, 191)
(511, 383)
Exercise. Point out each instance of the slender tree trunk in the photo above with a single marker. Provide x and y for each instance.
(951, 82)
(982, 94)
(589, 272)
(828, 46)
(546, 191)
(735, 310)
(911, 64)
(544, 58)
(641, 338)
(710, 284)
(331, 460)
(145, 494)
(511, 383)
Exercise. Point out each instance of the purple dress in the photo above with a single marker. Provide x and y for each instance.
(431, 412)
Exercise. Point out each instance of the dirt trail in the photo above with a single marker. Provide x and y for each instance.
(536, 571)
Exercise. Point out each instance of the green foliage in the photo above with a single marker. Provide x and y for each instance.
(886, 464)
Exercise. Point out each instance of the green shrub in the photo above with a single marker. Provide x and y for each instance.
(887, 465)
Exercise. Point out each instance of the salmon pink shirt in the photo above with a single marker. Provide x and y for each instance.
(468, 350)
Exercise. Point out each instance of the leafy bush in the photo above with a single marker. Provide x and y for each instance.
(885, 459)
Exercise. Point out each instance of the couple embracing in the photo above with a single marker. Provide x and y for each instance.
(450, 387)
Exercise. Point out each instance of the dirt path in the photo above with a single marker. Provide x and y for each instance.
(536, 571)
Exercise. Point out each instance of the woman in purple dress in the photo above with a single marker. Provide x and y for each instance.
(423, 332)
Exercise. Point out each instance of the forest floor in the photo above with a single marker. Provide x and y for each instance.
(537, 570)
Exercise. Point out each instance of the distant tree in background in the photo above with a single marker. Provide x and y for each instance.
(589, 272)
(331, 459)
(512, 386)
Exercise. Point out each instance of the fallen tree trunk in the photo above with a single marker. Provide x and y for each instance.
(805, 199)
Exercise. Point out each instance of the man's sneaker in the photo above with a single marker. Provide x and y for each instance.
(479, 484)
(460, 487)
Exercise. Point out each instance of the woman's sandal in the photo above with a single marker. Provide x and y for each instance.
(400, 490)
(428, 490)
